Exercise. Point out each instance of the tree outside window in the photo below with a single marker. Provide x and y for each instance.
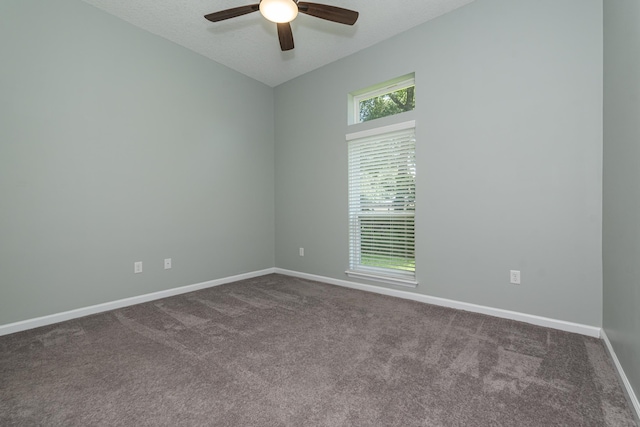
(388, 104)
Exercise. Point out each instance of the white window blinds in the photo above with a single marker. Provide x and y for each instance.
(382, 182)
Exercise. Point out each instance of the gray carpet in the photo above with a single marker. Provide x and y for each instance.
(281, 351)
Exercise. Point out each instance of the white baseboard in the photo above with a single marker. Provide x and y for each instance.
(562, 325)
(99, 308)
(496, 312)
(625, 381)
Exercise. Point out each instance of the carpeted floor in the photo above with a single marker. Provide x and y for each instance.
(281, 351)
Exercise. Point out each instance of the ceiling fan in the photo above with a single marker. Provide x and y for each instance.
(282, 12)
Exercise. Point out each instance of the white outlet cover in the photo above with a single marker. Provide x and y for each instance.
(167, 263)
(137, 267)
(514, 277)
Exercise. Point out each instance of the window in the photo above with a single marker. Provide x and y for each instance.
(389, 98)
(382, 183)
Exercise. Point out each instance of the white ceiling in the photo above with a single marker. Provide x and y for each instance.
(249, 43)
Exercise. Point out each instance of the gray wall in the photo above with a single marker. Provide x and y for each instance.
(117, 146)
(509, 129)
(621, 228)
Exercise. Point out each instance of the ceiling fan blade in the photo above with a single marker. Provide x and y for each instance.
(330, 13)
(285, 36)
(232, 13)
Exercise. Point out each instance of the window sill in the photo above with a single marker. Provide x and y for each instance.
(384, 279)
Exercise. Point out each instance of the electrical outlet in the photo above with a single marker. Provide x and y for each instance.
(301, 251)
(167, 263)
(515, 277)
(137, 267)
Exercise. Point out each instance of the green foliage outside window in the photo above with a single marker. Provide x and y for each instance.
(388, 104)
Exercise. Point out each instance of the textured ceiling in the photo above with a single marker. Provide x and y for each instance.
(249, 43)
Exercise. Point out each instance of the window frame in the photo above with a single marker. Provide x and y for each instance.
(387, 87)
(379, 274)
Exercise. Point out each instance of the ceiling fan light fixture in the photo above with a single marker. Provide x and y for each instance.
(279, 11)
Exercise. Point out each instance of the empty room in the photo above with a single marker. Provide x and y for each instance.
(344, 213)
